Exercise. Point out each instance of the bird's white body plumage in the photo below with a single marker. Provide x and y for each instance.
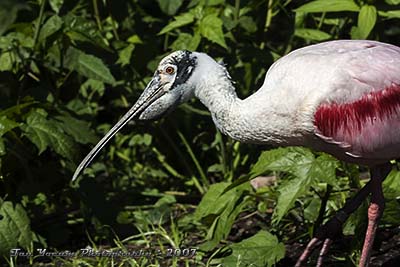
(282, 111)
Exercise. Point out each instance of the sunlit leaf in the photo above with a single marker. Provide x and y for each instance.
(211, 28)
(56, 5)
(262, 249)
(6, 61)
(51, 26)
(219, 210)
(124, 55)
(312, 34)
(328, 6)
(179, 21)
(88, 65)
(170, 7)
(391, 14)
(393, 2)
(304, 169)
(366, 22)
(186, 41)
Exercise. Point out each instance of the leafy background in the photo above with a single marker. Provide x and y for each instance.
(70, 69)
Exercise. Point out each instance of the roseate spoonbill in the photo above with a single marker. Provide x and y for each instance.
(341, 97)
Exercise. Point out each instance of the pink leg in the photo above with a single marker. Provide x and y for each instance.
(375, 212)
(333, 227)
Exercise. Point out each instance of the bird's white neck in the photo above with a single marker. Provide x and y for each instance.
(243, 120)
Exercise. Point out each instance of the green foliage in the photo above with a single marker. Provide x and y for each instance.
(70, 69)
(262, 249)
(15, 227)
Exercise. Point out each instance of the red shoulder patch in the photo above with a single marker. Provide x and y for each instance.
(333, 119)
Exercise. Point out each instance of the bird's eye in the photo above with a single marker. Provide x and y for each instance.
(169, 70)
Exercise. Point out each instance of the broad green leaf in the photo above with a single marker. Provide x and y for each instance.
(179, 21)
(90, 86)
(391, 14)
(248, 23)
(186, 41)
(366, 22)
(262, 249)
(88, 65)
(6, 62)
(52, 25)
(211, 28)
(391, 191)
(304, 169)
(393, 2)
(23, 40)
(328, 6)
(289, 191)
(47, 133)
(14, 228)
(169, 7)
(6, 125)
(78, 129)
(8, 13)
(56, 5)
(124, 55)
(134, 39)
(312, 34)
(219, 210)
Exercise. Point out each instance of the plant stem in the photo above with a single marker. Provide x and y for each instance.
(193, 157)
(237, 10)
(97, 14)
(269, 16)
(39, 23)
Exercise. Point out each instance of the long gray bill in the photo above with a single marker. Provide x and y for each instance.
(152, 92)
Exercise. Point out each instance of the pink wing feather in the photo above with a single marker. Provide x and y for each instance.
(369, 119)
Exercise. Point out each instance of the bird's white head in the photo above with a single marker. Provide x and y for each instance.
(168, 88)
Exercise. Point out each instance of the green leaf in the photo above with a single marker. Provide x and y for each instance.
(134, 39)
(304, 169)
(124, 55)
(78, 129)
(312, 34)
(248, 24)
(169, 7)
(90, 86)
(8, 13)
(328, 6)
(47, 133)
(392, 2)
(6, 62)
(179, 21)
(88, 65)
(14, 228)
(211, 28)
(186, 41)
(391, 191)
(218, 210)
(6, 125)
(56, 5)
(391, 14)
(51, 26)
(262, 249)
(366, 22)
